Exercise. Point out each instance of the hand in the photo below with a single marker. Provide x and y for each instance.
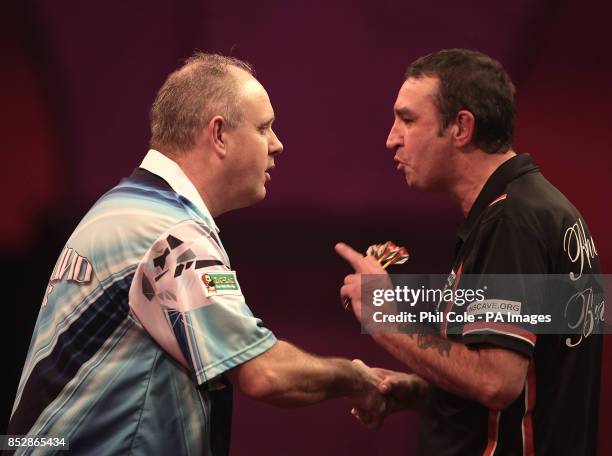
(369, 400)
(351, 288)
(402, 392)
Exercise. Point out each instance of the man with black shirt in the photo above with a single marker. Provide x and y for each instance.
(488, 387)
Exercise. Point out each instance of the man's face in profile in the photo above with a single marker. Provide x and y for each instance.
(422, 150)
(252, 144)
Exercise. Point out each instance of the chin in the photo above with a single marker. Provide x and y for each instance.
(258, 196)
(418, 186)
(261, 194)
(411, 182)
(250, 199)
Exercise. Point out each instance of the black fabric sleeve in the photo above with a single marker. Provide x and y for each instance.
(511, 262)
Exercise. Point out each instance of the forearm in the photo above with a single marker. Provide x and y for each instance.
(301, 378)
(419, 395)
(493, 377)
(288, 376)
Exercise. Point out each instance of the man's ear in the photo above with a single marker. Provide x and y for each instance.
(464, 130)
(217, 129)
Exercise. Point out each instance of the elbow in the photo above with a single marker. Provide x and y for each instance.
(264, 386)
(499, 393)
(505, 374)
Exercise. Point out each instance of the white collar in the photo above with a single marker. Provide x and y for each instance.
(166, 168)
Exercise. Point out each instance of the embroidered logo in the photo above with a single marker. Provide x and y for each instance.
(579, 247)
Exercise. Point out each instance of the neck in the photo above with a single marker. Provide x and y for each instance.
(200, 172)
(475, 169)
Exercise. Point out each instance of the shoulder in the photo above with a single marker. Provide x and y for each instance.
(532, 203)
(537, 214)
(130, 218)
(146, 195)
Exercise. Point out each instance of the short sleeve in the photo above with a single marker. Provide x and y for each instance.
(509, 264)
(187, 298)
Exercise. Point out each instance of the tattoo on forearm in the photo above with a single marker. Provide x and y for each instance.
(425, 341)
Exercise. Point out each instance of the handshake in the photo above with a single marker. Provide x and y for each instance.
(383, 392)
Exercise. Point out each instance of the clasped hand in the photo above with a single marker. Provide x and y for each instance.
(394, 391)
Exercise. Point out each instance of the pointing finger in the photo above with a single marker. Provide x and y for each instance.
(353, 257)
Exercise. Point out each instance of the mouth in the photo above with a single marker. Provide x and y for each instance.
(400, 165)
(267, 174)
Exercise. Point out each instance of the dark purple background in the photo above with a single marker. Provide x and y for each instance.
(77, 83)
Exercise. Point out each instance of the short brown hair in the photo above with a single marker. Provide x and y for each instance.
(192, 95)
(475, 82)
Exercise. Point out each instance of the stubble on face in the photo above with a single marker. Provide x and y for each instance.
(422, 148)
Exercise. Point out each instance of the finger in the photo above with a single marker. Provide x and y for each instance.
(345, 292)
(383, 373)
(380, 373)
(351, 290)
(362, 416)
(357, 414)
(351, 278)
(386, 386)
(374, 262)
(360, 363)
(353, 257)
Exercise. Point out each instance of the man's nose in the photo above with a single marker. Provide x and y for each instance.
(394, 138)
(276, 147)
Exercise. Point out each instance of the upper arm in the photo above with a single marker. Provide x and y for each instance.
(508, 261)
(188, 299)
(508, 266)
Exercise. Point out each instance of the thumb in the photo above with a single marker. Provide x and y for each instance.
(385, 386)
(350, 255)
(360, 363)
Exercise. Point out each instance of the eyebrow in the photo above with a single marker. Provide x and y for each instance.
(267, 122)
(403, 111)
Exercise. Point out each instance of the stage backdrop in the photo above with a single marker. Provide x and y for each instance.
(78, 80)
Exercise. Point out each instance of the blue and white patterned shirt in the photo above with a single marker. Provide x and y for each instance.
(142, 316)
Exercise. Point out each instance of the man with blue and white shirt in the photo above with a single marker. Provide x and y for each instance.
(144, 329)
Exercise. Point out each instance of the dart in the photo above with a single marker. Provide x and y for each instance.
(386, 254)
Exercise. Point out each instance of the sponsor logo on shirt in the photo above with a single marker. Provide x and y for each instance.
(217, 283)
(495, 306)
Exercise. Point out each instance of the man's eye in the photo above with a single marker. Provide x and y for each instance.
(407, 120)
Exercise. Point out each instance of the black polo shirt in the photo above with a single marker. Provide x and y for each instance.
(521, 224)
